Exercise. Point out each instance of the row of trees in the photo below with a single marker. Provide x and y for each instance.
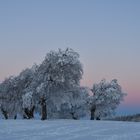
(133, 118)
(53, 90)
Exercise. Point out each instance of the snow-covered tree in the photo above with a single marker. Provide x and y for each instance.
(59, 72)
(56, 77)
(106, 97)
(11, 91)
(9, 105)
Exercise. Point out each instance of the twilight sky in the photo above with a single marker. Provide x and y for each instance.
(106, 34)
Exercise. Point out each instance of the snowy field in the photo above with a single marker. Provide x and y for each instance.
(68, 130)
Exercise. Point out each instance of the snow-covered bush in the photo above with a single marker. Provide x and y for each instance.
(72, 104)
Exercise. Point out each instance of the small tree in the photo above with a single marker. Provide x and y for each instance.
(106, 97)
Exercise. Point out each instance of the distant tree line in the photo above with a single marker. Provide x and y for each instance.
(52, 89)
(133, 118)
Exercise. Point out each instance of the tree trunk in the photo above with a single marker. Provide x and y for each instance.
(32, 112)
(15, 117)
(93, 109)
(98, 118)
(43, 109)
(73, 116)
(29, 113)
(5, 114)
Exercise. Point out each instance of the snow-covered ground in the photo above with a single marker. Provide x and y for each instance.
(68, 130)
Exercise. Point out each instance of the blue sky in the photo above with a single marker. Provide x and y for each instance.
(106, 34)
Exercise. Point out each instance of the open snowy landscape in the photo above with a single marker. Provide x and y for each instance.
(69, 70)
(68, 130)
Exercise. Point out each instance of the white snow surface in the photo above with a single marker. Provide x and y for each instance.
(68, 130)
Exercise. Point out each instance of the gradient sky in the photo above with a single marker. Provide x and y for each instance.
(106, 34)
